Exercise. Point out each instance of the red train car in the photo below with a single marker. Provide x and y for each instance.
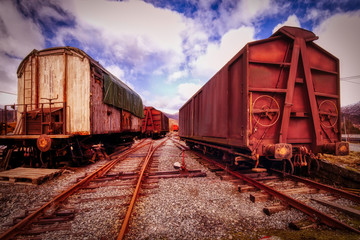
(155, 123)
(175, 128)
(277, 98)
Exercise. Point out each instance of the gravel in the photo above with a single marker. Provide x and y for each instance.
(16, 198)
(200, 208)
(180, 208)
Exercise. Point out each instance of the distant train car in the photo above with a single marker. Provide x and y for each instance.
(277, 99)
(66, 102)
(155, 123)
(173, 125)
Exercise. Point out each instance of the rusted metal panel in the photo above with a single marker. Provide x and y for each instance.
(237, 110)
(155, 122)
(104, 118)
(185, 120)
(284, 89)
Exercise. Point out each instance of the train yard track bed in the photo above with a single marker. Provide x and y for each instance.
(16, 201)
(202, 208)
(203, 202)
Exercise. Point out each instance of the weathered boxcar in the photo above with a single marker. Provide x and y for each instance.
(277, 98)
(65, 96)
(155, 123)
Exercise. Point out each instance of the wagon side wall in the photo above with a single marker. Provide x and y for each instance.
(217, 113)
(164, 123)
(104, 118)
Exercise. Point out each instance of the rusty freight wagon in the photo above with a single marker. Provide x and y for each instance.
(67, 102)
(155, 123)
(276, 99)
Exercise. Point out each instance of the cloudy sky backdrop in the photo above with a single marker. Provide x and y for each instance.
(166, 50)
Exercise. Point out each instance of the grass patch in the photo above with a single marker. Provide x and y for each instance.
(351, 161)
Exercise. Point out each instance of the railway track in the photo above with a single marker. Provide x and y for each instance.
(283, 187)
(118, 182)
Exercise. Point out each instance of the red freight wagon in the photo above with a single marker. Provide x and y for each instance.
(277, 98)
(155, 123)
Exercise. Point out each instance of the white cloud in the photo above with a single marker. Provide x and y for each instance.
(133, 18)
(292, 21)
(116, 71)
(176, 76)
(18, 36)
(187, 90)
(132, 31)
(171, 103)
(120, 74)
(217, 55)
(340, 36)
(251, 9)
(245, 12)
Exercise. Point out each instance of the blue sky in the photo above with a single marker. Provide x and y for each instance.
(166, 50)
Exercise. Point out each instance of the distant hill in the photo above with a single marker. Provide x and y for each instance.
(173, 116)
(352, 113)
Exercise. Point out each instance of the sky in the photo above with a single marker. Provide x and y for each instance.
(167, 49)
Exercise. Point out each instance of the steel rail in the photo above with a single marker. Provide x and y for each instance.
(339, 192)
(311, 212)
(148, 157)
(13, 231)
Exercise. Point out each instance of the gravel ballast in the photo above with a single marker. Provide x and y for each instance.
(200, 208)
(179, 208)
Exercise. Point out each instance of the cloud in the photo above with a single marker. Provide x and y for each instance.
(171, 103)
(243, 13)
(217, 55)
(338, 35)
(18, 36)
(176, 76)
(187, 90)
(133, 32)
(120, 74)
(292, 21)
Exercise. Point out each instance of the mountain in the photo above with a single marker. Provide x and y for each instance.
(173, 116)
(352, 113)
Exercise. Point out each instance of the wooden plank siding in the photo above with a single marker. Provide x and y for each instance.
(78, 95)
(70, 70)
(105, 118)
(51, 85)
